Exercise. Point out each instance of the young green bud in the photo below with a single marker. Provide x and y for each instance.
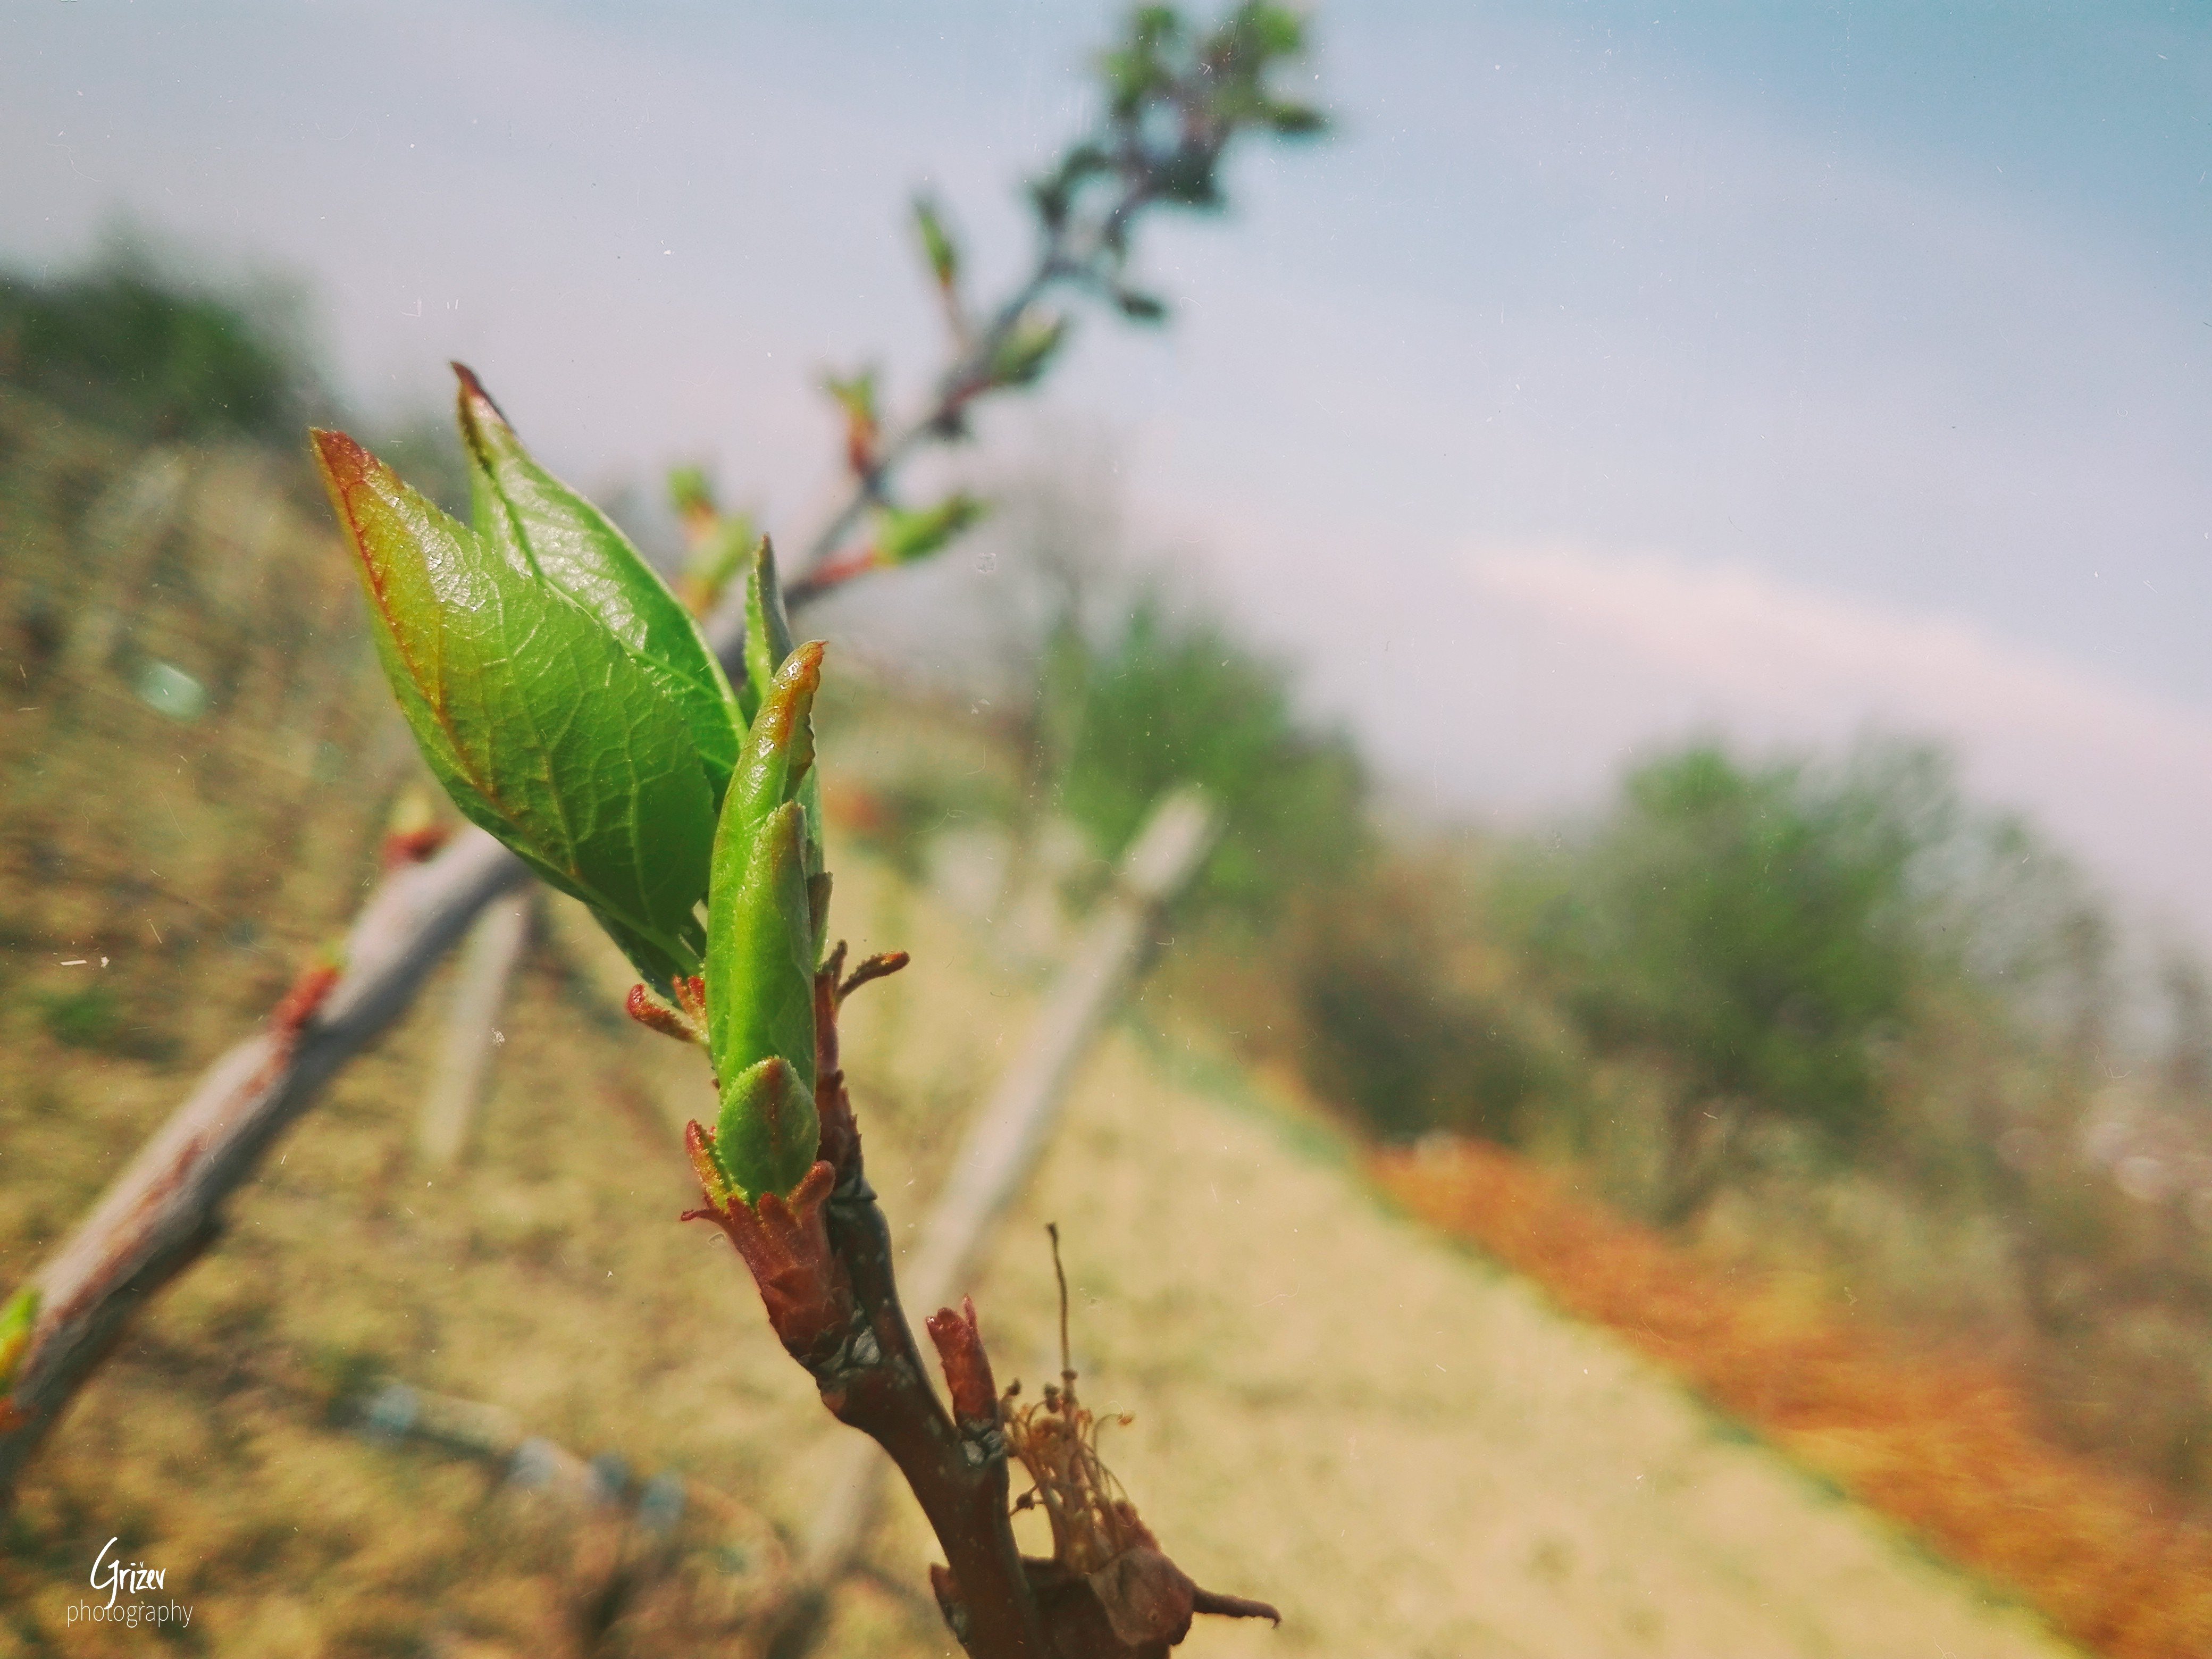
(905, 535)
(760, 997)
(1020, 357)
(937, 246)
(767, 1136)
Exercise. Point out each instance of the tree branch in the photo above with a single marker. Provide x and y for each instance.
(167, 1205)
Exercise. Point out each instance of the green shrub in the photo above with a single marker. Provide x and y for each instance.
(1414, 1021)
(1763, 927)
(1164, 699)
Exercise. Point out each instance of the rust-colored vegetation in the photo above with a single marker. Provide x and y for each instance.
(1944, 1445)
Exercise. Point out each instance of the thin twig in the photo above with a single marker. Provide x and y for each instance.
(1067, 1364)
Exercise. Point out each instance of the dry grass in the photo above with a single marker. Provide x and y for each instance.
(1947, 1446)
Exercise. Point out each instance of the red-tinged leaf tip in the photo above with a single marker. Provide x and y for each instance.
(793, 697)
(362, 491)
(344, 463)
(471, 386)
(477, 407)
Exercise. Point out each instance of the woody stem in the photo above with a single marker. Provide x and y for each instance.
(883, 1388)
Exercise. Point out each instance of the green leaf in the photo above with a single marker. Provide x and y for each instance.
(908, 535)
(1296, 121)
(532, 516)
(904, 535)
(545, 727)
(768, 629)
(1141, 308)
(760, 995)
(937, 246)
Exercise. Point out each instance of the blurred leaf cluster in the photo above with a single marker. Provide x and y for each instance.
(1176, 96)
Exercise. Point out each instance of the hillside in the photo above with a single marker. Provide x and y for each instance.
(1409, 1449)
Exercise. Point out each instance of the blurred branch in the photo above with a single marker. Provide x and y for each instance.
(165, 1207)
(1175, 101)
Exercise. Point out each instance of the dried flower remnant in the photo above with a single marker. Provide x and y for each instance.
(1109, 1589)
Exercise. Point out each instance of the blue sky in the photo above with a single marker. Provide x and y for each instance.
(1614, 372)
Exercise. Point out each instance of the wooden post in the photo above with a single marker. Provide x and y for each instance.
(488, 958)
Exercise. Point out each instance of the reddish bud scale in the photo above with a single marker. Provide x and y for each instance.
(650, 1011)
(699, 1147)
(691, 997)
(967, 1366)
(785, 1243)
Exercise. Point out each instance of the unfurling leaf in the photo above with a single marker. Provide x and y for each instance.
(1028, 347)
(542, 720)
(535, 518)
(905, 535)
(779, 748)
(763, 938)
(937, 246)
(768, 652)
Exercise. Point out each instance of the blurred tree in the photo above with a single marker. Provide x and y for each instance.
(1761, 928)
(1162, 699)
(143, 350)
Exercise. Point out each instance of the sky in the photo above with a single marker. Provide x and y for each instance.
(1613, 373)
